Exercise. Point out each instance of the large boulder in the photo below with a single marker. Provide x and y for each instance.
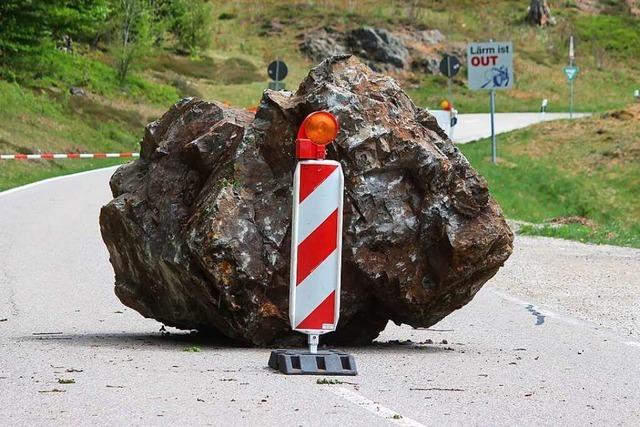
(199, 227)
(383, 50)
(379, 46)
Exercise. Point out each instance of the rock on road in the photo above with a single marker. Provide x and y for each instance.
(553, 339)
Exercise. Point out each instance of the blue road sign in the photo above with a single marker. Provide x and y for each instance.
(571, 72)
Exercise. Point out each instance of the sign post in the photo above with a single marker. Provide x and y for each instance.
(490, 67)
(571, 72)
(316, 247)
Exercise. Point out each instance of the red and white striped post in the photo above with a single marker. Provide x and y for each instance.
(316, 238)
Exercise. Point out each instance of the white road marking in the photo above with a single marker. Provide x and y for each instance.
(55, 178)
(373, 407)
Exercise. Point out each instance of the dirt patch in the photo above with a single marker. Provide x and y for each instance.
(230, 71)
(563, 220)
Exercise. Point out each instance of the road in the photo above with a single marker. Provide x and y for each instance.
(553, 339)
(471, 127)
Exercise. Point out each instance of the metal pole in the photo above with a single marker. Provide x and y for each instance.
(449, 77)
(492, 99)
(572, 59)
(571, 99)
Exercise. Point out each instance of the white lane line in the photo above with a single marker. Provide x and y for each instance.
(55, 178)
(373, 407)
(562, 317)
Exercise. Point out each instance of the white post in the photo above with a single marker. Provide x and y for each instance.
(494, 148)
(313, 343)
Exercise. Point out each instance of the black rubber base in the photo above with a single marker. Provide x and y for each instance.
(301, 362)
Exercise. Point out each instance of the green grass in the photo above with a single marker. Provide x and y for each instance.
(56, 122)
(581, 169)
(587, 168)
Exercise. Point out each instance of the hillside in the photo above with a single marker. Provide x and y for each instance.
(577, 179)
(219, 50)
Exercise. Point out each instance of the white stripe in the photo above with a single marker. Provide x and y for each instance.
(65, 156)
(373, 407)
(316, 287)
(55, 178)
(319, 205)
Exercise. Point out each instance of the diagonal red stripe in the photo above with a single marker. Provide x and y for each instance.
(311, 176)
(324, 313)
(317, 246)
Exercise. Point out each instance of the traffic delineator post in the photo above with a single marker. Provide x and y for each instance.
(316, 246)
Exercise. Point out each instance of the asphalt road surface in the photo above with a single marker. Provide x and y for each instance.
(476, 126)
(553, 339)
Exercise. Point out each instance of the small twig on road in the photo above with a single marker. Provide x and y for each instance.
(436, 389)
(115, 386)
(47, 333)
(55, 390)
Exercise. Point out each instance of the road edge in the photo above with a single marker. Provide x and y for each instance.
(52, 179)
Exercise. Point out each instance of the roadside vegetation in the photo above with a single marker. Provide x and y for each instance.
(575, 179)
(86, 76)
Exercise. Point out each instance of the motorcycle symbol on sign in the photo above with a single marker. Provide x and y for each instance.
(497, 77)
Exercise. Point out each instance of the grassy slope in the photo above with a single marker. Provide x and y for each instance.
(587, 168)
(606, 81)
(40, 116)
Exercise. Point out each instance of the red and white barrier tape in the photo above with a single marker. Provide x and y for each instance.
(52, 156)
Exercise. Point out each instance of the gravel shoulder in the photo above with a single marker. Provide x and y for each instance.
(596, 283)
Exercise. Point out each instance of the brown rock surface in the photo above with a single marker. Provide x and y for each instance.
(198, 230)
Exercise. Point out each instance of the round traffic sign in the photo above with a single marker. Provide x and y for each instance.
(277, 70)
(449, 65)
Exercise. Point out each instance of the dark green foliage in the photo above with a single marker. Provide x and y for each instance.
(21, 26)
(226, 15)
(132, 29)
(192, 25)
(27, 25)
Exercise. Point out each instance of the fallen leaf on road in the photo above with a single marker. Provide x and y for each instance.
(327, 381)
(66, 381)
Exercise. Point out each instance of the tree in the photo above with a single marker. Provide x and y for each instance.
(539, 13)
(21, 26)
(192, 25)
(132, 36)
(26, 25)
